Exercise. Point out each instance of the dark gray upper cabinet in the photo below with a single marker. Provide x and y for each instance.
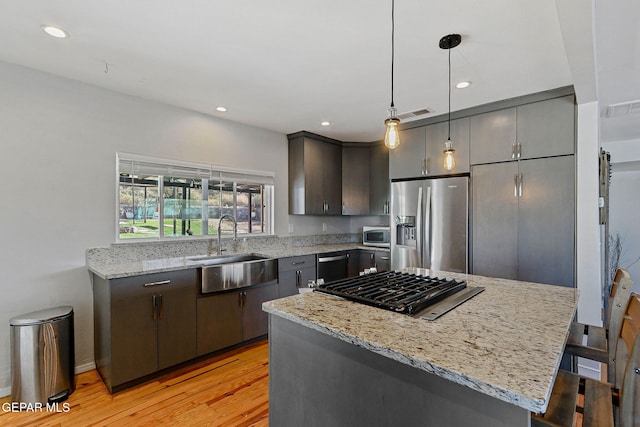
(436, 137)
(379, 185)
(315, 176)
(493, 136)
(355, 179)
(546, 128)
(539, 129)
(420, 152)
(407, 159)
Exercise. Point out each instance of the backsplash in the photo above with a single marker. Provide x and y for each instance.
(136, 251)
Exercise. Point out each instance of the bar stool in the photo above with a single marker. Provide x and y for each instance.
(601, 400)
(601, 341)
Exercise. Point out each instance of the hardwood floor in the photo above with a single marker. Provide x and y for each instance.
(227, 390)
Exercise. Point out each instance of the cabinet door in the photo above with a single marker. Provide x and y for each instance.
(314, 200)
(355, 180)
(219, 321)
(406, 160)
(134, 351)
(332, 176)
(494, 220)
(436, 136)
(492, 136)
(288, 283)
(353, 263)
(546, 237)
(255, 322)
(177, 319)
(546, 128)
(382, 260)
(379, 185)
(367, 259)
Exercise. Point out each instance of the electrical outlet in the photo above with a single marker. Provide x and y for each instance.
(324, 226)
(290, 228)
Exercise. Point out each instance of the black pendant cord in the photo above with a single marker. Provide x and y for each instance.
(392, 45)
(449, 133)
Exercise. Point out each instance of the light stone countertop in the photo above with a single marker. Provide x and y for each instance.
(507, 342)
(113, 268)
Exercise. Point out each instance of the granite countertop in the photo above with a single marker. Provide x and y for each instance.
(113, 268)
(506, 342)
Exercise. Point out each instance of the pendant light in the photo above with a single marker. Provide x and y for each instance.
(449, 42)
(392, 136)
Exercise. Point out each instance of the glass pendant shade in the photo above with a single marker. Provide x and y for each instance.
(449, 159)
(392, 136)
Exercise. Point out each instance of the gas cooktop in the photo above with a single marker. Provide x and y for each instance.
(396, 291)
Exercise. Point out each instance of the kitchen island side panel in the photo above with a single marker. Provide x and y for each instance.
(318, 380)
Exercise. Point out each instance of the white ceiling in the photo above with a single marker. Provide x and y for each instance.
(287, 65)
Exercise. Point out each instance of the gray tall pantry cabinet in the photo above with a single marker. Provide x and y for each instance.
(523, 192)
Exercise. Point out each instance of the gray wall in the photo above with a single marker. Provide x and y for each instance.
(59, 139)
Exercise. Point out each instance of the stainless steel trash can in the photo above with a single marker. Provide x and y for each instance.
(42, 356)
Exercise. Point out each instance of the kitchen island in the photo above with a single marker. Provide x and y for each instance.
(489, 362)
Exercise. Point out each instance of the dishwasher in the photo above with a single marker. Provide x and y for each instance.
(333, 266)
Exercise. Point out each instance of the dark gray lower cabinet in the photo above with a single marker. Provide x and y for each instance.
(294, 273)
(229, 318)
(143, 324)
(378, 259)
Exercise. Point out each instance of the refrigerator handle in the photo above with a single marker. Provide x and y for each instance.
(426, 261)
(419, 226)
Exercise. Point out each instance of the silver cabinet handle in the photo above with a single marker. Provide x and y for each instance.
(515, 185)
(162, 282)
(520, 186)
(332, 258)
(161, 309)
(298, 263)
(298, 278)
(513, 151)
(343, 208)
(372, 257)
(384, 258)
(154, 306)
(519, 150)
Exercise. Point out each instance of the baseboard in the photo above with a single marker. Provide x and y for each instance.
(6, 391)
(85, 367)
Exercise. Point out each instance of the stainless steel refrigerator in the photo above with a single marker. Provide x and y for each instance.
(430, 223)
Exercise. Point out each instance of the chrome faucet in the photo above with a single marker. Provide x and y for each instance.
(235, 232)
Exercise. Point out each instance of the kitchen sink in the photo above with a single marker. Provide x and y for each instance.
(225, 259)
(221, 273)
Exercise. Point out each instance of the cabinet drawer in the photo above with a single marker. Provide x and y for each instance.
(296, 263)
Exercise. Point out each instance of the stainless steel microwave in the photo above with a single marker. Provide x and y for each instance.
(376, 236)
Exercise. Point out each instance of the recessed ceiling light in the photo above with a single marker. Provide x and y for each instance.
(221, 109)
(462, 85)
(325, 123)
(55, 32)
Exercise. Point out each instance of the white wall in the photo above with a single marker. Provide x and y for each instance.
(624, 202)
(59, 140)
(588, 271)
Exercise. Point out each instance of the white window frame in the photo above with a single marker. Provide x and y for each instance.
(161, 167)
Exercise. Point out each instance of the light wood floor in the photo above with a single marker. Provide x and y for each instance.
(230, 389)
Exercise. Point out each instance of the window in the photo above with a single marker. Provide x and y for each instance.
(162, 199)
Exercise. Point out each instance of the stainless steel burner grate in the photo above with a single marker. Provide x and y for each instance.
(400, 292)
